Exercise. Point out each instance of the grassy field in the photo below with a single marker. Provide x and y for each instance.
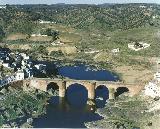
(67, 34)
(16, 36)
(104, 41)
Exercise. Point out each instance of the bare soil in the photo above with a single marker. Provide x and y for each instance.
(134, 75)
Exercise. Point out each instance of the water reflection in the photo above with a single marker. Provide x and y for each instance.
(68, 112)
(82, 72)
(63, 115)
(77, 96)
(73, 111)
(102, 95)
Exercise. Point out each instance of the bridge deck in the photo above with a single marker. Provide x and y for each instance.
(91, 81)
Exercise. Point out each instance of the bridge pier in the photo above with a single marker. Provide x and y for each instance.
(91, 92)
(111, 93)
(62, 90)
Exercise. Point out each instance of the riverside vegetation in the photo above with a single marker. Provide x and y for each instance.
(17, 107)
(83, 28)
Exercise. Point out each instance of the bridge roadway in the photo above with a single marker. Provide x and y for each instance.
(45, 83)
(72, 80)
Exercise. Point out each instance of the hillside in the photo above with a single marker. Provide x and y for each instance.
(23, 18)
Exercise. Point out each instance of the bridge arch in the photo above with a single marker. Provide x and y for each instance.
(101, 95)
(69, 84)
(77, 94)
(52, 87)
(121, 90)
(75, 83)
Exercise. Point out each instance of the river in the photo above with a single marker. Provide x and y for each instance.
(73, 111)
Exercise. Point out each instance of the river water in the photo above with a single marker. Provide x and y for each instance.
(73, 111)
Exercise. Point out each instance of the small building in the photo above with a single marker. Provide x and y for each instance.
(91, 51)
(5, 50)
(142, 6)
(23, 63)
(25, 56)
(1, 62)
(29, 72)
(38, 35)
(19, 75)
(44, 22)
(29, 64)
(115, 51)
(13, 65)
(2, 6)
(40, 67)
(3, 56)
(152, 90)
(56, 43)
(7, 65)
(136, 46)
(157, 76)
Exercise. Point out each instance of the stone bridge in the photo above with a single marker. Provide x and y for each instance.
(91, 85)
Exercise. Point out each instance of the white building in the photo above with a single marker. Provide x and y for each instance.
(90, 51)
(19, 75)
(115, 50)
(57, 43)
(152, 90)
(142, 6)
(143, 46)
(7, 65)
(44, 22)
(1, 62)
(38, 35)
(2, 7)
(40, 66)
(25, 56)
(23, 63)
(157, 76)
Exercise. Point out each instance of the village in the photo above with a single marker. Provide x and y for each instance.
(22, 65)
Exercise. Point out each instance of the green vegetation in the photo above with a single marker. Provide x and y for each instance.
(2, 34)
(125, 113)
(5, 71)
(52, 33)
(56, 53)
(24, 18)
(41, 49)
(19, 104)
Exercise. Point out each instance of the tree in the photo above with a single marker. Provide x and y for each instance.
(42, 49)
(57, 53)
(53, 33)
(1, 120)
(2, 34)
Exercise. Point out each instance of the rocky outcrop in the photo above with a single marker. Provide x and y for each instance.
(152, 89)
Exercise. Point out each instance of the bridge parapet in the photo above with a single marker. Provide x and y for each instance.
(90, 85)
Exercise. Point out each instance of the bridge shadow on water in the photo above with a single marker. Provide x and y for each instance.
(73, 111)
(102, 95)
(69, 112)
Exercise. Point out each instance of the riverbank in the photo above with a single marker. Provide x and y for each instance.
(126, 113)
(139, 73)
